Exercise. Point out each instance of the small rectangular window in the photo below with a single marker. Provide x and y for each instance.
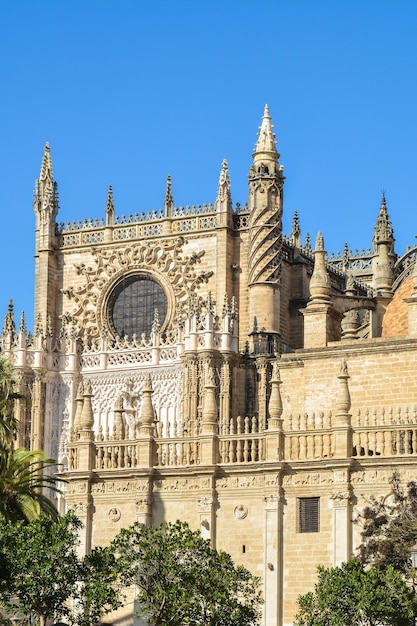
(308, 515)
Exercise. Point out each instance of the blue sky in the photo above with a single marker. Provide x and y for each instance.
(128, 91)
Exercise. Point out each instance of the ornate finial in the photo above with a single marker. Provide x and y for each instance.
(224, 196)
(320, 286)
(110, 207)
(319, 242)
(295, 230)
(22, 324)
(48, 326)
(343, 402)
(38, 326)
(156, 326)
(147, 412)
(46, 189)
(9, 325)
(46, 176)
(308, 242)
(343, 368)
(87, 417)
(266, 137)
(275, 400)
(169, 198)
(383, 231)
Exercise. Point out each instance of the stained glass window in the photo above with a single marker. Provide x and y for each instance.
(132, 305)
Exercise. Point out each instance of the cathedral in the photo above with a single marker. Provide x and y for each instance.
(197, 363)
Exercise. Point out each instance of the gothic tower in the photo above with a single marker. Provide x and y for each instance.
(46, 208)
(266, 181)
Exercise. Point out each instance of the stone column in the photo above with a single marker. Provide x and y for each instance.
(273, 572)
(210, 416)
(342, 541)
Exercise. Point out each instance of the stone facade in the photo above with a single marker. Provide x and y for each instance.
(261, 392)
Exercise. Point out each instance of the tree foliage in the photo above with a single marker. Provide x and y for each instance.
(389, 529)
(40, 571)
(181, 579)
(351, 594)
(23, 473)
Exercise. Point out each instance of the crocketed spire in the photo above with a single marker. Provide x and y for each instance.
(295, 230)
(224, 196)
(266, 137)
(169, 198)
(110, 206)
(383, 231)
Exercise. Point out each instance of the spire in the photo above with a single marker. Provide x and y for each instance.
(295, 231)
(110, 207)
(383, 231)
(46, 178)
(22, 324)
(46, 189)
(384, 256)
(266, 137)
(9, 327)
(224, 196)
(169, 198)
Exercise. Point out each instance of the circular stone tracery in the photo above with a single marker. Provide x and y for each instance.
(132, 305)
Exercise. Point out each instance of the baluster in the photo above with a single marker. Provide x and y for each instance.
(374, 416)
(379, 442)
(246, 425)
(355, 444)
(325, 446)
(246, 450)
(240, 426)
(135, 455)
(303, 445)
(412, 441)
(383, 416)
(221, 450)
(239, 451)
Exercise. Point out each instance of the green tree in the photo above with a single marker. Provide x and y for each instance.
(23, 473)
(41, 572)
(22, 481)
(8, 423)
(353, 595)
(389, 529)
(181, 579)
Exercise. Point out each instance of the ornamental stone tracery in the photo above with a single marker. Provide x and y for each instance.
(164, 262)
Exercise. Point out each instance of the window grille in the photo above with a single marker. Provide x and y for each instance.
(309, 515)
(132, 305)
